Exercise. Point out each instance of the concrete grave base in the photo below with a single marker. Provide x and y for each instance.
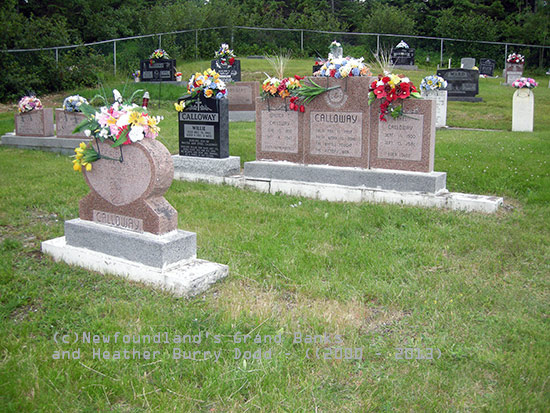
(166, 261)
(48, 143)
(242, 116)
(405, 67)
(464, 99)
(387, 179)
(192, 165)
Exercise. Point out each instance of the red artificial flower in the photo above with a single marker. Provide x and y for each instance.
(332, 72)
(231, 60)
(403, 91)
(298, 77)
(386, 79)
(291, 105)
(302, 108)
(379, 92)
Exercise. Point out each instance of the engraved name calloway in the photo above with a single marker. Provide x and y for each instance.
(118, 221)
(200, 117)
(334, 118)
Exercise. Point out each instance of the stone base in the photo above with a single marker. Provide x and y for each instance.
(158, 251)
(242, 116)
(50, 143)
(185, 278)
(342, 193)
(191, 165)
(464, 99)
(405, 67)
(385, 179)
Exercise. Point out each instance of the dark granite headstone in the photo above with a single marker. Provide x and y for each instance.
(401, 56)
(158, 70)
(227, 72)
(462, 84)
(316, 68)
(204, 129)
(487, 67)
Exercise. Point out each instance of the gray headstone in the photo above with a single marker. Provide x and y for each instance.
(467, 63)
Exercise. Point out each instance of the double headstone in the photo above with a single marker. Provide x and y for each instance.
(462, 84)
(35, 123)
(158, 70)
(487, 67)
(401, 56)
(228, 72)
(66, 122)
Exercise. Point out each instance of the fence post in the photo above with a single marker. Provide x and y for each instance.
(114, 56)
(505, 56)
(56, 56)
(441, 54)
(196, 44)
(232, 38)
(378, 45)
(302, 40)
(160, 41)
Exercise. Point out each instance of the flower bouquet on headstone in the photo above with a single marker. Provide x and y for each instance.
(159, 54)
(432, 82)
(392, 90)
(525, 82)
(136, 75)
(207, 84)
(344, 67)
(515, 58)
(274, 87)
(225, 55)
(29, 103)
(336, 51)
(74, 103)
(122, 123)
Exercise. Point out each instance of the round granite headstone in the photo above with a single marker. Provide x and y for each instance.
(131, 188)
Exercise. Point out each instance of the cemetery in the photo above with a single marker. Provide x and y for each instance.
(242, 233)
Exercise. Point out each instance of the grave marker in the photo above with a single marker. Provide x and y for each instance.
(242, 95)
(467, 63)
(66, 122)
(228, 73)
(523, 110)
(158, 70)
(487, 67)
(38, 122)
(462, 84)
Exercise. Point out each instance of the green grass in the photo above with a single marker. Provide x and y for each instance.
(384, 277)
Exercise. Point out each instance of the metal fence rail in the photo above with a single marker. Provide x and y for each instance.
(302, 42)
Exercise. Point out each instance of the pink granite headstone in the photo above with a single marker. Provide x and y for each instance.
(66, 122)
(337, 123)
(242, 95)
(129, 194)
(406, 143)
(35, 123)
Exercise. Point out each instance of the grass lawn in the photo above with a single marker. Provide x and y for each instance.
(467, 292)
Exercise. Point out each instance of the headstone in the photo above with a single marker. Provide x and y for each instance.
(316, 68)
(66, 122)
(129, 194)
(400, 56)
(406, 143)
(513, 72)
(462, 84)
(204, 129)
(440, 99)
(487, 67)
(467, 63)
(279, 131)
(228, 73)
(242, 95)
(337, 123)
(127, 228)
(35, 123)
(158, 70)
(523, 110)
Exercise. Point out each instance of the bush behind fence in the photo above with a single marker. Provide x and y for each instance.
(68, 67)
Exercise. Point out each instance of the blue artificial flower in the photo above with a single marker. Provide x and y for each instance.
(220, 95)
(337, 75)
(355, 71)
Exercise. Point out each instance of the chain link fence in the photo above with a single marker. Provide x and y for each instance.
(65, 67)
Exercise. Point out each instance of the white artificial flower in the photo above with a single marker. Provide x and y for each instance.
(136, 133)
(123, 120)
(87, 132)
(117, 95)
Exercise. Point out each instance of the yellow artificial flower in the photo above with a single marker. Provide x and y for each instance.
(135, 118)
(179, 107)
(208, 93)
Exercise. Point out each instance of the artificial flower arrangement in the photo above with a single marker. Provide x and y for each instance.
(525, 82)
(343, 67)
(433, 82)
(225, 54)
(29, 103)
(122, 123)
(207, 84)
(335, 50)
(159, 54)
(391, 89)
(515, 58)
(136, 75)
(73, 103)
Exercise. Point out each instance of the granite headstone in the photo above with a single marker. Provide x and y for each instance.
(467, 63)
(34, 123)
(242, 95)
(66, 122)
(513, 72)
(228, 73)
(487, 67)
(406, 143)
(158, 70)
(204, 128)
(462, 84)
(401, 56)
